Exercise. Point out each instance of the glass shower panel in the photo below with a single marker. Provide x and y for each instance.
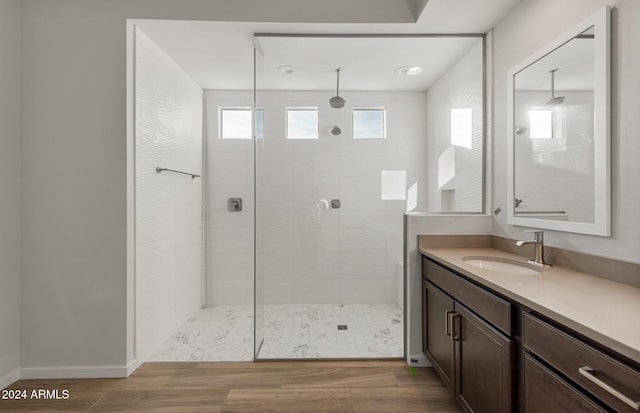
(258, 159)
(330, 209)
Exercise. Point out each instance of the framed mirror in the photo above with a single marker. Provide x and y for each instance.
(559, 133)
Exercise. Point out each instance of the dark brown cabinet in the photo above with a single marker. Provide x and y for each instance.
(471, 356)
(598, 375)
(437, 342)
(470, 334)
(483, 360)
(544, 392)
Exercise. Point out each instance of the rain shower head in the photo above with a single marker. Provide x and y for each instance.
(555, 100)
(337, 101)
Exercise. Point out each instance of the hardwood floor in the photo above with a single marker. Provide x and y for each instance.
(278, 387)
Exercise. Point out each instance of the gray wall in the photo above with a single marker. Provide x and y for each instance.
(519, 35)
(9, 190)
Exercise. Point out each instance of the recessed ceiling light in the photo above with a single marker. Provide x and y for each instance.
(408, 70)
(414, 70)
(286, 69)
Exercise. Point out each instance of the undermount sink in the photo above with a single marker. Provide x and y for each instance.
(503, 265)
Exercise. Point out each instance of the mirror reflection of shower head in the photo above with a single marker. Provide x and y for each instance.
(337, 101)
(521, 130)
(336, 130)
(555, 100)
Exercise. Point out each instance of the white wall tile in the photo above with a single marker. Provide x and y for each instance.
(303, 239)
(228, 165)
(227, 241)
(220, 217)
(154, 259)
(311, 189)
(278, 292)
(322, 164)
(315, 291)
(360, 189)
(315, 267)
(362, 266)
(227, 290)
(367, 164)
(278, 266)
(363, 291)
(317, 241)
(362, 240)
(168, 206)
(316, 214)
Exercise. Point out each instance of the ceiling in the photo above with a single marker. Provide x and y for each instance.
(574, 62)
(219, 55)
(366, 64)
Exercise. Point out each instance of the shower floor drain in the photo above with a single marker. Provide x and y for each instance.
(342, 327)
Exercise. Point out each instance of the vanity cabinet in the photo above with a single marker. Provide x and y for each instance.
(469, 352)
(500, 356)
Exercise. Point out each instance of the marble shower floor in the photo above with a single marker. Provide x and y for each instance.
(225, 333)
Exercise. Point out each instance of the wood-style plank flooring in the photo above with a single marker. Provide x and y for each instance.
(278, 387)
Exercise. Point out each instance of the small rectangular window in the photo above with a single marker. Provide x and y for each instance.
(302, 123)
(235, 123)
(369, 124)
(540, 124)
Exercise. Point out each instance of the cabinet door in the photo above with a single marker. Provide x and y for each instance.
(546, 392)
(483, 360)
(436, 341)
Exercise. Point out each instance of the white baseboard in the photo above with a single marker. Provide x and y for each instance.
(90, 372)
(10, 378)
(419, 361)
(133, 366)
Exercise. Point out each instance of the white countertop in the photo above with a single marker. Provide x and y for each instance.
(603, 310)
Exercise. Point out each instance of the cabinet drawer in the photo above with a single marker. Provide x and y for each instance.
(545, 392)
(579, 361)
(490, 307)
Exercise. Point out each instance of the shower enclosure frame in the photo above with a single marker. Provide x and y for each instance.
(258, 283)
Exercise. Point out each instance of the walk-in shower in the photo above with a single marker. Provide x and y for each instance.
(305, 187)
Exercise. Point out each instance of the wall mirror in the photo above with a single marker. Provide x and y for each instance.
(558, 129)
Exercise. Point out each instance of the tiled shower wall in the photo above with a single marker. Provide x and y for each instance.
(460, 87)
(168, 206)
(314, 254)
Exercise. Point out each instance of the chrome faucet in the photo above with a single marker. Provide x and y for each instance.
(538, 242)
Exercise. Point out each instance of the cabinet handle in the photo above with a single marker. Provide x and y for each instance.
(589, 373)
(455, 335)
(447, 322)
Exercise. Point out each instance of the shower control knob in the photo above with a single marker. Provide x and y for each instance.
(234, 204)
(335, 203)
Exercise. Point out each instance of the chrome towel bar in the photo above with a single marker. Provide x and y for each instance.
(193, 176)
